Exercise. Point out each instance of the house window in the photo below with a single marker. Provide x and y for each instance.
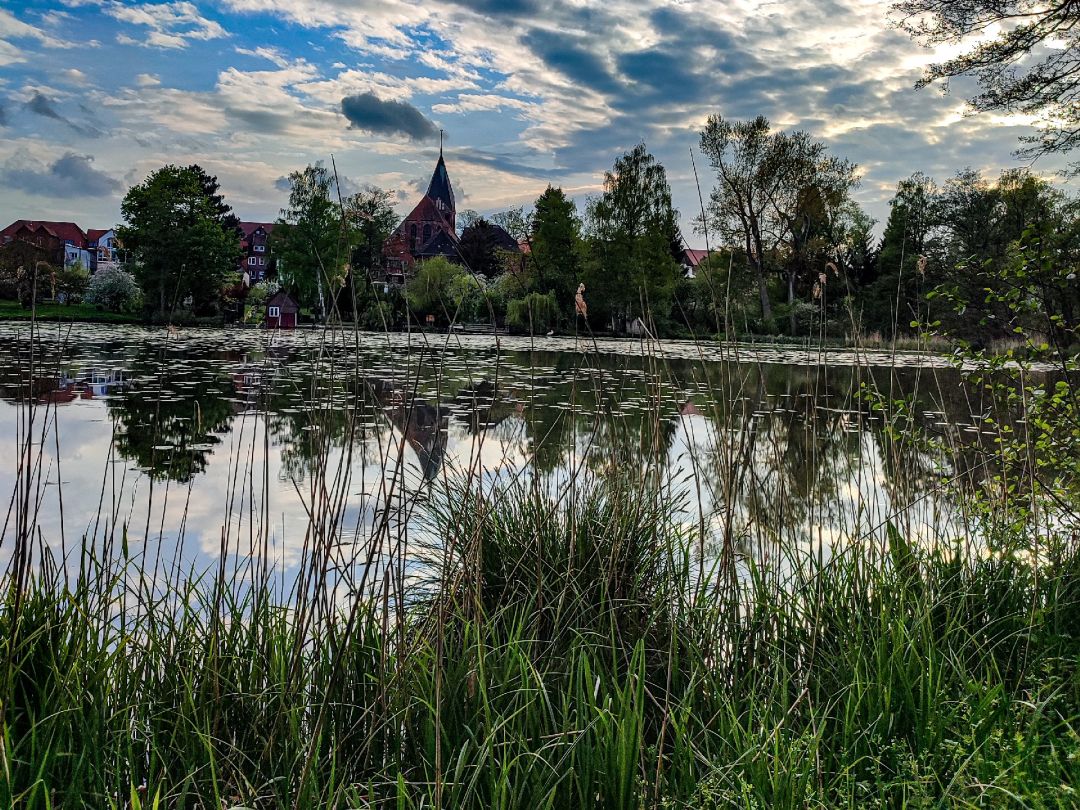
(251, 260)
(260, 248)
(262, 261)
(273, 312)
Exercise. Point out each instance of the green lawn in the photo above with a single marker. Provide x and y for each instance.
(14, 311)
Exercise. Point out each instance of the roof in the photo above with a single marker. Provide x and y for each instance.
(95, 234)
(695, 257)
(440, 190)
(249, 228)
(500, 239)
(282, 298)
(67, 231)
(443, 243)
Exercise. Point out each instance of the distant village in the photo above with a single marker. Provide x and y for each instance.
(429, 231)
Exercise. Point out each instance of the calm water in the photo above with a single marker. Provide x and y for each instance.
(242, 443)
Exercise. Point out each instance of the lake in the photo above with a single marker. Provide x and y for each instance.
(219, 447)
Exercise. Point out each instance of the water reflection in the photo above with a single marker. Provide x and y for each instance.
(258, 435)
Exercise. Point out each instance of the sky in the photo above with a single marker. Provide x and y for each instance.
(95, 94)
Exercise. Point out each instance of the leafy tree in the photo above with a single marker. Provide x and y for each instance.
(774, 193)
(310, 239)
(181, 236)
(536, 313)
(114, 290)
(370, 219)
(1030, 63)
(634, 233)
(556, 247)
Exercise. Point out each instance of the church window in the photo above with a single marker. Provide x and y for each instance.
(427, 234)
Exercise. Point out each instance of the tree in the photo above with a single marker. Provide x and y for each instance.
(310, 239)
(429, 291)
(1030, 64)
(556, 247)
(71, 282)
(634, 231)
(181, 236)
(478, 248)
(773, 191)
(370, 219)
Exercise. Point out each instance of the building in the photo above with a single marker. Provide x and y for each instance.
(281, 311)
(255, 247)
(104, 250)
(63, 243)
(430, 230)
(691, 261)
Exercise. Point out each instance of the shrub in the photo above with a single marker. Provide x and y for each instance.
(114, 290)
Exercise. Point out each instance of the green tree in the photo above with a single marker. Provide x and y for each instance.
(370, 219)
(181, 237)
(479, 248)
(633, 234)
(310, 240)
(556, 247)
(71, 282)
(892, 300)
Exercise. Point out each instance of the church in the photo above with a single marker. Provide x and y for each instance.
(429, 231)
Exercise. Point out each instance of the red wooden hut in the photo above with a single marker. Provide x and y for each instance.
(281, 311)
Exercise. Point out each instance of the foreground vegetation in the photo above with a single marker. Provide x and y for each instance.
(563, 653)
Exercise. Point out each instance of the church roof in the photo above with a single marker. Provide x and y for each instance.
(440, 190)
(443, 243)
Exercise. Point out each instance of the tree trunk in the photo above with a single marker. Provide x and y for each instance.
(791, 302)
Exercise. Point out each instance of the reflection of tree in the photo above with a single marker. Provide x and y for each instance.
(169, 429)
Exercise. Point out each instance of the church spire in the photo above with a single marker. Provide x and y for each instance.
(439, 189)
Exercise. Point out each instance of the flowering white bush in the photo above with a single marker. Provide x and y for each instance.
(114, 290)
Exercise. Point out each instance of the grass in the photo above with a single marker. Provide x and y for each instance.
(14, 311)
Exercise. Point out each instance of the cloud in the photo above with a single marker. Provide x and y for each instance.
(3, 116)
(170, 25)
(69, 176)
(369, 113)
(147, 80)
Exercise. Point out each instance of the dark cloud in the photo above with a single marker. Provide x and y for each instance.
(575, 58)
(369, 113)
(504, 163)
(39, 105)
(501, 8)
(70, 176)
(46, 108)
(3, 116)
